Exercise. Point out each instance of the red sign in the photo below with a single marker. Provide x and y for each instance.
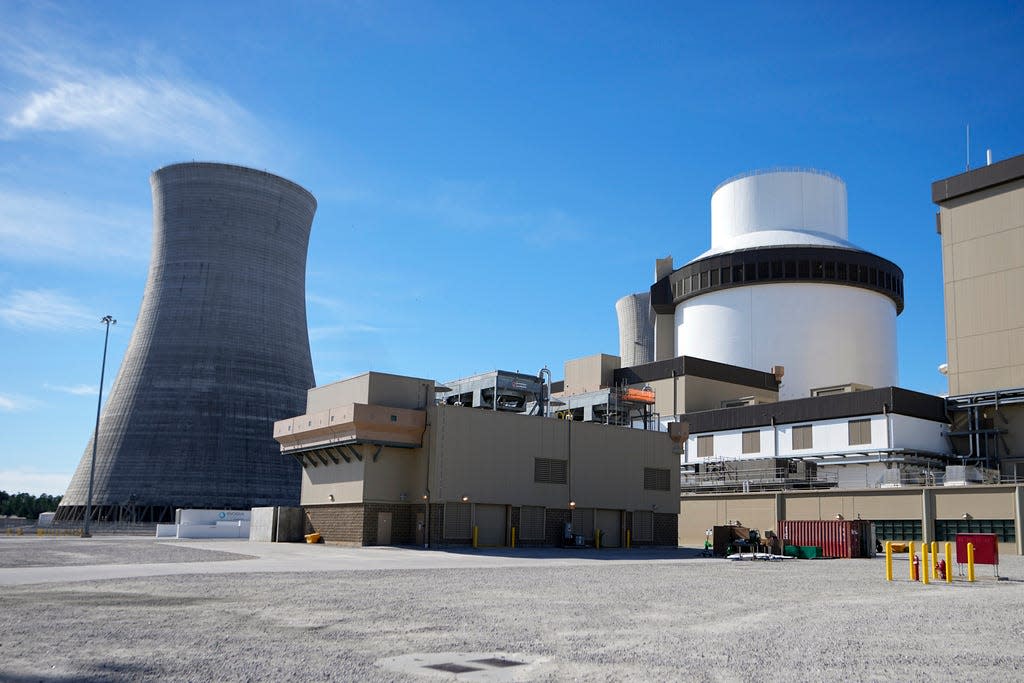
(986, 548)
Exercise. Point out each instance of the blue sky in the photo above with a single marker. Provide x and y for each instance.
(491, 177)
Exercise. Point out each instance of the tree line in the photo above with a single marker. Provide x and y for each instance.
(27, 505)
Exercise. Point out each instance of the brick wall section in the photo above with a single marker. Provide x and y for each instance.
(338, 523)
(403, 522)
(437, 525)
(554, 525)
(666, 529)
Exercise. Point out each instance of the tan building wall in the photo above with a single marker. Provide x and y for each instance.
(763, 511)
(590, 373)
(374, 388)
(489, 457)
(983, 275)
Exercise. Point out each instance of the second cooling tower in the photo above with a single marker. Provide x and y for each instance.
(782, 285)
(220, 350)
(636, 329)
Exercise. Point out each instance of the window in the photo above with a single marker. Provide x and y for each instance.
(706, 446)
(550, 471)
(947, 529)
(898, 529)
(752, 441)
(531, 523)
(802, 437)
(458, 523)
(656, 479)
(860, 432)
(643, 525)
(714, 277)
(704, 275)
(763, 270)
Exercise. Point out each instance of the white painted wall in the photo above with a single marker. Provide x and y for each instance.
(824, 334)
(830, 437)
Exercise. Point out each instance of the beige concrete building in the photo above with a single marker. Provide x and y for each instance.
(981, 224)
(383, 463)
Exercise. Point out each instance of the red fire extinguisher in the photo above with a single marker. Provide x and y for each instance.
(941, 570)
(917, 567)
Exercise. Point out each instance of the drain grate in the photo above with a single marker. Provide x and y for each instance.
(498, 662)
(453, 668)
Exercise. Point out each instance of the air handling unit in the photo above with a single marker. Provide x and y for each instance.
(782, 286)
(219, 351)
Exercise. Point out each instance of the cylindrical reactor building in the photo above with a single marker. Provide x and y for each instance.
(220, 350)
(636, 329)
(782, 285)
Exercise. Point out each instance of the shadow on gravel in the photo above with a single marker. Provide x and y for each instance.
(580, 553)
(114, 672)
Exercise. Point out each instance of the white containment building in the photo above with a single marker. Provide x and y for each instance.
(782, 286)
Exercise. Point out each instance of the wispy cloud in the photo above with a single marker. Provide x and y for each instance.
(15, 403)
(322, 332)
(36, 483)
(333, 308)
(45, 309)
(35, 227)
(69, 88)
(74, 390)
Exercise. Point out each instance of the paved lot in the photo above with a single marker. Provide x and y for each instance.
(297, 612)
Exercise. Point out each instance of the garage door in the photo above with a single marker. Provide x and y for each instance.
(490, 522)
(610, 524)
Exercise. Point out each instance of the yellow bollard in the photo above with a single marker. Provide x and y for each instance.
(513, 538)
(476, 531)
(629, 539)
(970, 562)
(597, 539)
(888, 560)
(935, 559)
(949, 562)
(924, 564)
(910, 558)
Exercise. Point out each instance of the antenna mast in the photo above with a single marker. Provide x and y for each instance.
(968, 147)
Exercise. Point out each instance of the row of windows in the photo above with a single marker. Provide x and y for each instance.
(801, 436)
(789, 269)
(898, 530)
(947, 529)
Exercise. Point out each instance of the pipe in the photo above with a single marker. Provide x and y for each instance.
(545, 391)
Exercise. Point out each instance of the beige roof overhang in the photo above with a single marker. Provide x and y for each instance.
(352, 424)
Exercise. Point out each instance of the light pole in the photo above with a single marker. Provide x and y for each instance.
(108, 321)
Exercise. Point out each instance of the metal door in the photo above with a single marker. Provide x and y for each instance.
(610, 524)
(490, 522)
(383, 528)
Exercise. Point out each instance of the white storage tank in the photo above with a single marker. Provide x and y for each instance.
(781, 285)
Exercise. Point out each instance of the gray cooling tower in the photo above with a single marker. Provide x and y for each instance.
(219, 352)
(636, 329)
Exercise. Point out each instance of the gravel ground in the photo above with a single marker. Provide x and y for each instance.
(691, 619)
(70, 551)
